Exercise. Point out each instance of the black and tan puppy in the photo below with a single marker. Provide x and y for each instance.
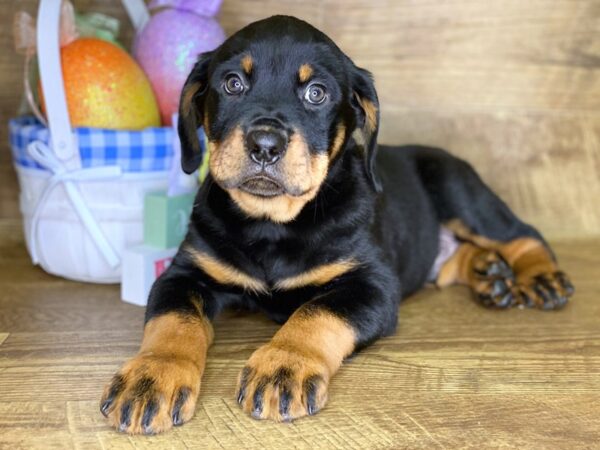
(318, 230)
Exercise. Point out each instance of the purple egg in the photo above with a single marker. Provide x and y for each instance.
(167, 49)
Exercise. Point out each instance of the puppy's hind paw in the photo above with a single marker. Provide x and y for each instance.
(545, 291)
(493, 281)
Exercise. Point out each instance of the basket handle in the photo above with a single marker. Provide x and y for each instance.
(48, 23)
(67, 166)
(48, 44)
(138, 13)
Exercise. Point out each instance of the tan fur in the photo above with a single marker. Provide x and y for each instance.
(247, 64)
(463, 232)
(371, 113)
(317, 276)
(225, 273)
(281, 209)
(285, 208)
(178, 336)
(301, 170)
(172, 356)
(457, 270)
(528, 257)
(206, 124)
(310, 343)
(227, 158)
(305, 72)
(338, 141)
(304, 171)
(321, 333)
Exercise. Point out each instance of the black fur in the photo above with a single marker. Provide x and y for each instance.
(393, 234)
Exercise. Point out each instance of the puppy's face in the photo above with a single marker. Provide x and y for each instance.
(278, 102)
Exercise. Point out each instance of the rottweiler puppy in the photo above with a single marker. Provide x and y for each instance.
(306, 218)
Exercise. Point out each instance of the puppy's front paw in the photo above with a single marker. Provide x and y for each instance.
(282, 384)
(152, 393)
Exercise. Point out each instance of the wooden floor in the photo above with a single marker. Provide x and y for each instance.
(455, 374)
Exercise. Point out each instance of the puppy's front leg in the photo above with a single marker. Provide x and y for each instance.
(288, 377)
(158, 388)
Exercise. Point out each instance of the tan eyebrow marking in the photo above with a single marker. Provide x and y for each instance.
(305, 72)
(247, 63)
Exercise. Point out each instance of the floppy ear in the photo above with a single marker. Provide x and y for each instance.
(366, 104)
(191, 107)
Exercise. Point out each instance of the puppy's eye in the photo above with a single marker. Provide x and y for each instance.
(233, 84)
(315, 94)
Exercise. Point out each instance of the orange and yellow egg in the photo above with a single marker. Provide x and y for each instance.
(105, 87)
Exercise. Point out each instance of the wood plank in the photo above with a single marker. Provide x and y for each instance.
(414, 421)
(237, 14)
(453, 375)
(9, 190)
(460, 53)
(545, 167)
(512, 86)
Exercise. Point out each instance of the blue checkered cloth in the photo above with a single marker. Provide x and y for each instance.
(146, 150)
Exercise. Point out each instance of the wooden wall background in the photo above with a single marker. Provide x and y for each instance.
(513, 86)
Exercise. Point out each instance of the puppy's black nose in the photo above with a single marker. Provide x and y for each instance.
(266, 147)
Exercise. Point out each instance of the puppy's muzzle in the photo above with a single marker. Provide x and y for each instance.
(266, 146)
(266, 142)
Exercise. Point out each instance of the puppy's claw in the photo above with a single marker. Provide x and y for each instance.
(149, 413)
(182, 397)
(125, 416)
(105, 407)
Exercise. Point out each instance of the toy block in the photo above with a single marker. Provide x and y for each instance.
(141, 266)
(166, 219)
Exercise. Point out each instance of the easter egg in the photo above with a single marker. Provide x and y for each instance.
(167, 48)
(106, 88)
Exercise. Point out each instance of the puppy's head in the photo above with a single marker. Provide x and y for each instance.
(278, 102)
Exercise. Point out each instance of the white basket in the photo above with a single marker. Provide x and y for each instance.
(78, 219)
(62, 245)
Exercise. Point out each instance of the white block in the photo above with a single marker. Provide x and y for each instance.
(141, 266)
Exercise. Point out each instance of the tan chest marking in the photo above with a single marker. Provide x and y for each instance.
(317, 276)
(225, 273)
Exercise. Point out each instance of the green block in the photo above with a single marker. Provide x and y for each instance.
(166, 219)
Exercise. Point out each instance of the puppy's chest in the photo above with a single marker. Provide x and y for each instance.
(287, 269)
(271, 269)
